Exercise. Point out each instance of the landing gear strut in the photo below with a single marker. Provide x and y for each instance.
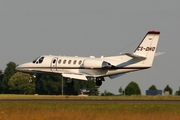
(32, 78)
(70, 83)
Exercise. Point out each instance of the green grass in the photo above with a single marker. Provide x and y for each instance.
(133, 97)
(88, 111)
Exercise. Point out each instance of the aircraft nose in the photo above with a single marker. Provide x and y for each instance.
(21, 67)
(18, 68)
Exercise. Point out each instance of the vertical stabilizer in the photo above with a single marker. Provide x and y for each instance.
(147, 47)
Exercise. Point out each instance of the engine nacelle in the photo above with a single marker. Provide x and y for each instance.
(92, 63)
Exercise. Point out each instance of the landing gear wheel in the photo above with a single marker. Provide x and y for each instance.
(30, 80)
(70, 84)
(98, 82)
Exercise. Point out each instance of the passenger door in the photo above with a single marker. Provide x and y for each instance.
(54, 64)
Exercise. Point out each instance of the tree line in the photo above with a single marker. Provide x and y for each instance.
(133, 89)
(13, 82)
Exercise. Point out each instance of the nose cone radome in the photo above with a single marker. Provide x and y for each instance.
(23, 67)
(19, 68)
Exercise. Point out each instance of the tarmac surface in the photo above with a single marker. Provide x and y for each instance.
(95, 101)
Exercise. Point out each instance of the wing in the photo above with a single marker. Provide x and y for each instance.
(75, 76)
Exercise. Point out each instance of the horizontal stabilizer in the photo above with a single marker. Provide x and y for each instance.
(115, 76)
(75, 76)
(134, 56)
(159, 53)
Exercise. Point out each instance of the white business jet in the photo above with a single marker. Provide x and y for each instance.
(84, 68)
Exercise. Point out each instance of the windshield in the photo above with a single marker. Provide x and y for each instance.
(34, 61)
(38, 60)
(41, 59)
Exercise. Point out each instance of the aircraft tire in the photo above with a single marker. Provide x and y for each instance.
(98, 82)
(30, 80)
(71, 84)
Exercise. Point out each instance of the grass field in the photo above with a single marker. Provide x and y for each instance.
(88, 111)
(73, 111)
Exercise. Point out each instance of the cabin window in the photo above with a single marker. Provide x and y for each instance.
(54, 61)
(69, 62)
(64, 62)
(80, 62)
(74, 62)
(59, 61)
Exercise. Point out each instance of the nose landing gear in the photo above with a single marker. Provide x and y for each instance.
(32, 78)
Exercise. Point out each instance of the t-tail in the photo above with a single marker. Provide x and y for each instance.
(145, 52)
(147, 47)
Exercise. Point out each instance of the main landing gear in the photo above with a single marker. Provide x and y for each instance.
(99, 81)
(32, 78)
(70, 82)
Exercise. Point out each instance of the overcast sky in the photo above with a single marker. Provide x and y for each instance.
(30, 28)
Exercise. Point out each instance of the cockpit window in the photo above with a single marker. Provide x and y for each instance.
(34, 61)
(38, 60)
(41, 59)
